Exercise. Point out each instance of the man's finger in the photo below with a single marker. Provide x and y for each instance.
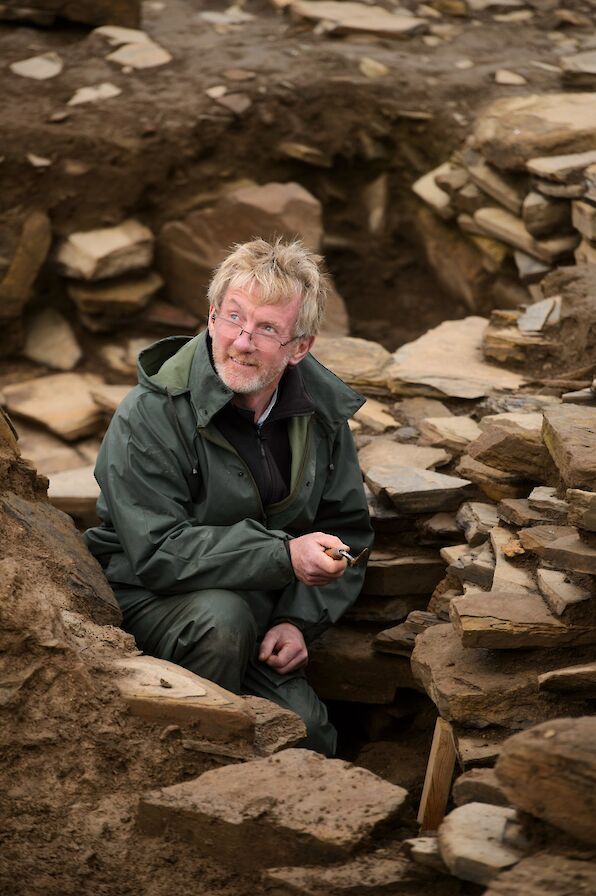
(267, 646)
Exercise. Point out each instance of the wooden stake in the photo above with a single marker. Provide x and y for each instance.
(437, 782)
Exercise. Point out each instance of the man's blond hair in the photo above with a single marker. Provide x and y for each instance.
(275, 273)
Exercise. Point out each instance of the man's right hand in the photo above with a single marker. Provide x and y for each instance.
(312, 565)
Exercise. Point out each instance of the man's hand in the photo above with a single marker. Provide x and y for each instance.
(283, 648)
(311, 564)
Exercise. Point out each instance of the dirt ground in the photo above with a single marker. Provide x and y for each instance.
(73, 760)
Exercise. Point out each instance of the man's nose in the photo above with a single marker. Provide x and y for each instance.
(243, 342)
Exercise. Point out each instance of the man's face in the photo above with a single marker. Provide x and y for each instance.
(244, 368)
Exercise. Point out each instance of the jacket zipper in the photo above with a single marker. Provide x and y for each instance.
(223, 443)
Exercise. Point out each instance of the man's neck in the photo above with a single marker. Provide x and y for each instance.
(257, 403)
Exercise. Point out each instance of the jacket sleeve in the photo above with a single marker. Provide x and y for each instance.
(343, 511)
(143, 475)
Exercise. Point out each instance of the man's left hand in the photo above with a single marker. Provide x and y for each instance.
(283, 648)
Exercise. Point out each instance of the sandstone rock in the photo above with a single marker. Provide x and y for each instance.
(570, 435)
(400, 639)
(476, 566)
(576, 680)
(549, 771)
(561, 546)
(476, 842)
(31, 253)
(189, 249)
(501, 621)
(579, 70)
(116, 35)
(478, 688)
(47, 453)
(508, 576)
(545, 500)
(75, 492)
(560, 595)
(582, 509)
(479, 785)
(586, 252)
(478, 749)
(276, 728)
(118, 296)
(380, 872)
(426, 188)
(325, 810)
(518, 512)
(42, 401)
(404, 572)
(496, 484)
(449, 432)
(584, 219)
(425, 851)
(544, 216)
(501, 224)
(440, 526)
(515, 450)
(359, 362)
(507, 190)
(103, 91)
(563, 169)
(347, 17)
(344, 666)
(413, 490)
(165, 692)
(51, 341)
(386, 452)
(556, 875)
(516, 129)
(413, 410)
(375, 415)
(509, 78)
(145, 54)
(39, 68)
(89, 12)
(107, 397)
(530, 270)
(448, 361)
(110, 252)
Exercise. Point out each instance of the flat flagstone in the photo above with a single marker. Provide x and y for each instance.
(502, 225)
(543, 216)
(413, 490)
(402, 572)
(496, 484)
(145, 54)
(560, 595)
(31, 252)
(116, 35)
(478, 785)
(579, 70)
(507, 77)
(513, 130)
(348, 16)
(477, 687)
(51, 341)
(583, 215)
(501, 621)
(506, 190)
(476, 519)
(359, 362)
(39, 68)
(109, 252)
(563, 169)
(74, 491)
(376, 416)
(116, 296)
(514, 449)
(560, 546)
(570, 435)
(549, 772)
(544, 498)
(386, 452)
(161, 691)
(104, 91)
(449, 432)
(61, 402)
(427, 189)
(109, 397)
(448, 361)
(46, 452)
(578, 680)
(240, 816)
(509, 576)
(518, 512)
(582, 509)
(475, 842)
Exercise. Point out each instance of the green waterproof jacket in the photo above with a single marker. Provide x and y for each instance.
(180, 510)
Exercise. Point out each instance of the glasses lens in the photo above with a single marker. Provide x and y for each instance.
(264, 342)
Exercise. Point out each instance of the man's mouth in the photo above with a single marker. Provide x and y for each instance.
(240, 362)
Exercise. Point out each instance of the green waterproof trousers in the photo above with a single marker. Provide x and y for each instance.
(216, 634)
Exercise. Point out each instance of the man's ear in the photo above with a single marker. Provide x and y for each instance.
(301, 349)
(211, 320)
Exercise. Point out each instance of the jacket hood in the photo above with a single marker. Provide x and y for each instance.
(179, 364)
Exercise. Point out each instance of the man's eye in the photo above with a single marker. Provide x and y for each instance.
(268, 328)
(234, 317)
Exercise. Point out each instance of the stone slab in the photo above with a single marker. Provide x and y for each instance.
(479, 785)
(349, 17)
(116, 296)
(161, 691)
(583, 215)
(502, 225)
(30, 254)
(515, 450)
(402, 572)
(556, 875)
(242, 817)
(496, 484)
(577, 680)
(344, 666)
(473, 842)
(449, 432)
(562, 169)
(359, 362)
(427, 189)
(386, 452)
(549, 771)
(447, 361)
(478, 688)
(509, 576)
(517, 512)
(507, 190)
(75, 492)
(500, 621)
(46, 452)
(569, 432)
(376, 416)
(544, 499)
(476, 519)
(561, 546)
(51, 341)
(42, 401)
(514, 130)
(560, 595)
(108, 252)
(414, 491)
(543, 217)
(582, 508)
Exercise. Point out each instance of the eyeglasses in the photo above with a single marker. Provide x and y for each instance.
(261, 341)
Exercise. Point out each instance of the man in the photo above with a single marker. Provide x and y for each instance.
(225, 475)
